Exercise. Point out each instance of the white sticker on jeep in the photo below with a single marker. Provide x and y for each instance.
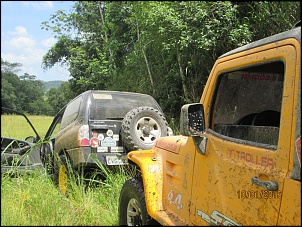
(217, 218)
(175, 199)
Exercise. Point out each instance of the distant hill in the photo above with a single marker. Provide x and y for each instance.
(52, 84)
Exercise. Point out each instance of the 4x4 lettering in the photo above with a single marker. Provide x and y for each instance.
(217, 218)
(175, 199)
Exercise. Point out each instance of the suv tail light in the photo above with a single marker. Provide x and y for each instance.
(84, 135)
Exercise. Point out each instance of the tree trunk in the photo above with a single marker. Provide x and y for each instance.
(183, 78)
(146, 60)
(105, 33)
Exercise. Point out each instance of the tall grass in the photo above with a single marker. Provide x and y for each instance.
(33, 199)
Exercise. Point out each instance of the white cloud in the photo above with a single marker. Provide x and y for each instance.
(39, 5)
(24, 49)
(24, 42)
(48, 42)
(29, 58)
(31, 64)
(19, 30)
(21, 42)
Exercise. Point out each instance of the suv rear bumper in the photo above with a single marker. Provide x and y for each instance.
(89, 156)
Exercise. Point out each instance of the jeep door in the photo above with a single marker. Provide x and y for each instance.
(240, 179)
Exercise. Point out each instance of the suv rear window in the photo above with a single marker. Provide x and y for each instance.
(116, 106)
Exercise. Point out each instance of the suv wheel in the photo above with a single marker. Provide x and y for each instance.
(132, 205)
(142, 126)
(62, 175)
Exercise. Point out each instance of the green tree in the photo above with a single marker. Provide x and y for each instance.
(30, 91)
(8, 93)
(175, 45)
(80, 45)
(10, 83)
(40, 107)
(58, 98)
(23, 93)
(163, 48)
(267, 18)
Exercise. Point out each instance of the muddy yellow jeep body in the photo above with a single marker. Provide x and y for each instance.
(238, 158)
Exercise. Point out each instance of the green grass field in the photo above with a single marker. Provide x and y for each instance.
(34, 200)
(16, 126)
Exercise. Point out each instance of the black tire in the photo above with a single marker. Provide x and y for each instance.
(132, 205)
(142, 126)
(62, 174)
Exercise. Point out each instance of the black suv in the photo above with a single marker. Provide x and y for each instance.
(101, 124)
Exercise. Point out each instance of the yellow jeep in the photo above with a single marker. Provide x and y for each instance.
(238, 158)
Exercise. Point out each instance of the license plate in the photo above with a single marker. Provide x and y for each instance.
(116, 160)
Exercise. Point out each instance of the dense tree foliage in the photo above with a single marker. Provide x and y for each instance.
(163, 48)
(52, 84)
(26, 94)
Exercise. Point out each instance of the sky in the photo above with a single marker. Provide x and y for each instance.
(23, 41)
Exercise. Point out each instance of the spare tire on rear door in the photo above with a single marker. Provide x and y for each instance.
(142, 126)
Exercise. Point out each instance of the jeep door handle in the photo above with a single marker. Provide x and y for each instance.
(268, 185)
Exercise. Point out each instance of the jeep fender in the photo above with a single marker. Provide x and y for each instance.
(151, 166)
(151, 170)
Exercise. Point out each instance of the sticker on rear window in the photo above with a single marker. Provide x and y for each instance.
(102, 96)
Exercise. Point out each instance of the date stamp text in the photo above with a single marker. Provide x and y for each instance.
(259, 194)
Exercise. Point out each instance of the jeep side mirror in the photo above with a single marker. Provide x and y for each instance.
(192, 120)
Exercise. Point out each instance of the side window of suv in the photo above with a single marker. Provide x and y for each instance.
(248, 104)
(71, 112)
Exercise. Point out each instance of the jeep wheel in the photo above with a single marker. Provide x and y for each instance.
(132, 205)
(142, 126)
